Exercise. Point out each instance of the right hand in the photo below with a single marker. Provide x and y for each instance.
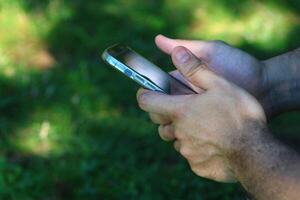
(212, 127)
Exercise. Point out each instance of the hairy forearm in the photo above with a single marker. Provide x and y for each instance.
(282, 83)
(265, 167)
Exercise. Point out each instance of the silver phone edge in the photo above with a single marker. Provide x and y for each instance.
(119, 66)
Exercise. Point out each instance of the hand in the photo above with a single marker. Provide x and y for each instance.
(208, 127)
(231, 63)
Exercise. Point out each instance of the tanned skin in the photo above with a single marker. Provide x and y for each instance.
(282, 83)
(265, 167)
(222, 131)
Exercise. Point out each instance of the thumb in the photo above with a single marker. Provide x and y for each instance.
(193, 69)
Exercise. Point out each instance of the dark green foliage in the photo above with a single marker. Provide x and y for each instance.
(99, 145)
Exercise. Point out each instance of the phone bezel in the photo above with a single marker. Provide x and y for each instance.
(124, 69)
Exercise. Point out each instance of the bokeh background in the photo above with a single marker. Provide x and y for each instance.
(69, 125)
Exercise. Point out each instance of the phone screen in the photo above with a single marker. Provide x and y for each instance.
(147, 69)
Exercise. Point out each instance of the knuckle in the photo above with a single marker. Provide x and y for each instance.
(162, 127)
(185, 152)
(178, 135)
(162, 136)
(176, 145)
(162, 132)
(192, 69)
(153, 118)
(210, 152)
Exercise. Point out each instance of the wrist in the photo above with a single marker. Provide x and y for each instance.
(281, 83)
(248, 137)
(268, 84)
(252, 133)
(263, 164)
(252, 152)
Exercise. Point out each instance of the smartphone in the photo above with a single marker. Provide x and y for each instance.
(142, 71)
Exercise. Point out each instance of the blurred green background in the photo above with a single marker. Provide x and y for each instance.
(69, 125)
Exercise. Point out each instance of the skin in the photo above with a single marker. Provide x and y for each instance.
(222, 131)
(282, 83)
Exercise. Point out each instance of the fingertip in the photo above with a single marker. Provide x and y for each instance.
(158, 39)
(140, 92)
(144, 98)
(164, 43)
(166, 132)
(161, 36)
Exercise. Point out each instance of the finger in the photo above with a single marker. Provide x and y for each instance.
(202, 49)
(177, 145)
(216, 169)
(156, 102)
(166, 132)
(176, 74)
(159, 119)
(194, 70)
(198, 155)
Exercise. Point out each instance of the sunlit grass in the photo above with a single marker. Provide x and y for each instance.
(47, 131)
(22, 35)
(261, 24)
(15, 34)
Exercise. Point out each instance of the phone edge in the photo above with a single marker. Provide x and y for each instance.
(119, 66)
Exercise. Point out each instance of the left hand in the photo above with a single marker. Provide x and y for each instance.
(207, 127)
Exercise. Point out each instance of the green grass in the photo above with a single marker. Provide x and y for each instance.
(69, 125)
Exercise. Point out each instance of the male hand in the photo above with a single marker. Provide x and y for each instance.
(231, 63)
(209, 127)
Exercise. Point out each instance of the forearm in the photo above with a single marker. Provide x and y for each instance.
(282, 83)
(267, 168)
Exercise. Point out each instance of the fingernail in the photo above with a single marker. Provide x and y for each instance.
(182, 56)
